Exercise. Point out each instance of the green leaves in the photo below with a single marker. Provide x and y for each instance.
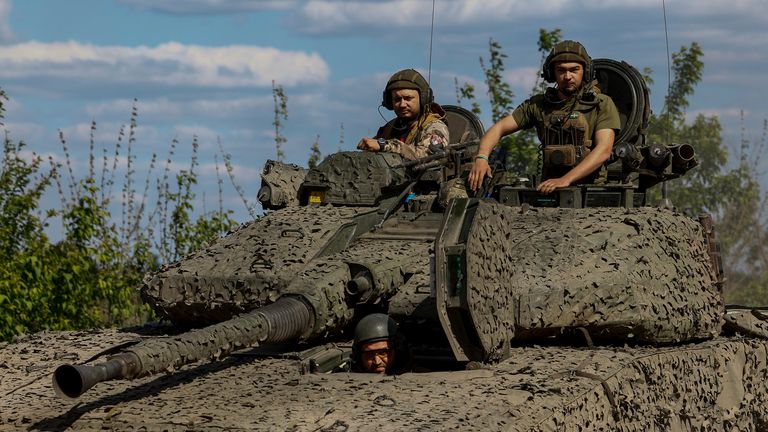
(89, 278)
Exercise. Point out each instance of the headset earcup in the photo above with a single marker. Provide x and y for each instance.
(545, 70)
(386, 99)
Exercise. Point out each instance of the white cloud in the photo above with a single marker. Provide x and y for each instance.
(523, 77)
(169, 64)
(721, 113)
(329, 16)
(201, 7)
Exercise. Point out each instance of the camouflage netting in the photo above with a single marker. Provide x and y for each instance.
(710, 386)
(280, 184)
(357, 178)
(248, 268)
(391, 264)
(640, 274)
(321, 285)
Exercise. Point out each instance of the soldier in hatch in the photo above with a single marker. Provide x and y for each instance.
(379, 347)
(418, 129)
(576, 124)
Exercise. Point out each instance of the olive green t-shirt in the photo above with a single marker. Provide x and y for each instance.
(602, 115)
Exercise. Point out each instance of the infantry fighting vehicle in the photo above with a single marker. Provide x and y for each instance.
(585, 309)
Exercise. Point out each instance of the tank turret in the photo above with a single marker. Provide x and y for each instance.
(468, 280)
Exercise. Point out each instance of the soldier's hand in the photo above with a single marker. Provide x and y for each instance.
(549, 186)
(368, 144)
(480, 169)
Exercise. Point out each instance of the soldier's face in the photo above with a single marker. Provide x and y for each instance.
(406, 104)
(377, 356)
(569, 76)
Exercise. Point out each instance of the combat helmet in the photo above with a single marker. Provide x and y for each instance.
(407, 79)
(568, 50)
(375, 327)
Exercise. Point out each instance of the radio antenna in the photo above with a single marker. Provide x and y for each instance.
(664, 187)
(669, 66)
(431, 33)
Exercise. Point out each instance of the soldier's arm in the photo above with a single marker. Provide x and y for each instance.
(599, 154)
(480, 167)
(435, 133)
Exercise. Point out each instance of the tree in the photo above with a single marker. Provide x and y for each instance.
(281, 111)
(467, 92)
(547, 40)
(315, 155)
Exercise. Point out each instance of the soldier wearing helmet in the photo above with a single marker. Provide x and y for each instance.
(575, 123)
(378, 347)
(418, 129)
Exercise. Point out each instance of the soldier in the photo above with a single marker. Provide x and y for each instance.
(418, 129)
(576, 124)
(378, 347)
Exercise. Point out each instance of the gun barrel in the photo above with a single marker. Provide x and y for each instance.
(683, 157)
(287, 319)
(421, 163)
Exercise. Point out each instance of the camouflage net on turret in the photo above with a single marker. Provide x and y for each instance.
(640, 274)
(248, 268)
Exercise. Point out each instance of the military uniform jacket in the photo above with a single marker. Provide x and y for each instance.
(414, 142)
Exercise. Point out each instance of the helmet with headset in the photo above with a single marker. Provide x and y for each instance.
(407, 79)
(568, 50)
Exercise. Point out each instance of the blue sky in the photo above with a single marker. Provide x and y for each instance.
(204, 67)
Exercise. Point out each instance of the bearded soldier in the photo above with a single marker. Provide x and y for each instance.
(575, 123)
(418, 129)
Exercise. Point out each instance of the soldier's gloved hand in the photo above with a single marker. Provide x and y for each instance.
(480, 169)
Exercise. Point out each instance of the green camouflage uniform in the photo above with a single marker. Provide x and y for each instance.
(572, 122)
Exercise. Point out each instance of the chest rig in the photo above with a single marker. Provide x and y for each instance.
(565, 136)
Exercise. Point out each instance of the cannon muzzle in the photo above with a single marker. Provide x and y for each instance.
(73, 380)
(683, 158)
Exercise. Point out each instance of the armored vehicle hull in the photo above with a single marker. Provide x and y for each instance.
(579, 310)
(713, 385)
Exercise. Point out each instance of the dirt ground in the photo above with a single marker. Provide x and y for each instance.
(713, 385)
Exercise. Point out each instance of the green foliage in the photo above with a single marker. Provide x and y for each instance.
(315, 155)
(547, 40)
(467, 92)
(89, 278)
(687, 68)
(281, 112)
(499, 92)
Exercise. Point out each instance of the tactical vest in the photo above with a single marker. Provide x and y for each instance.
(566, 139)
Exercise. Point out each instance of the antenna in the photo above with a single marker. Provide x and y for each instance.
(664, 187)
(431, 33)
(669, 66)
